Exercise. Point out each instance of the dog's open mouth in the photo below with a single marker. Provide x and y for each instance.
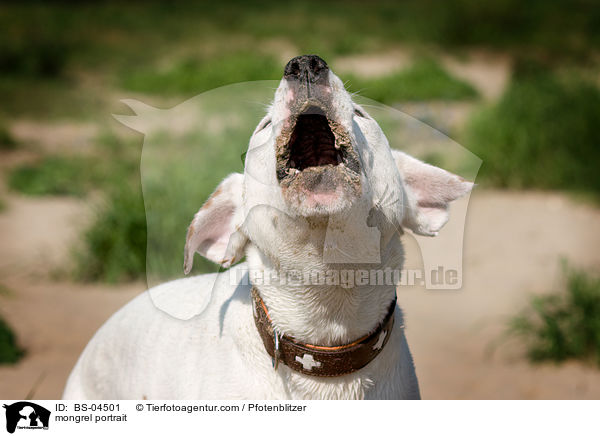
(317, 166)
(312, 143)
(312, 140)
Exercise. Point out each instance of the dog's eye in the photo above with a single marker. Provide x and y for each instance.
(359, 113)
(264, 124)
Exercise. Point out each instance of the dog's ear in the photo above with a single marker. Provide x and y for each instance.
(214, 230)
(429, 190)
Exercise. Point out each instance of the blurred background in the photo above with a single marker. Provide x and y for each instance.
(516, 84)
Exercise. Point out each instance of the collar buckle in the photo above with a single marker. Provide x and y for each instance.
(276, 351)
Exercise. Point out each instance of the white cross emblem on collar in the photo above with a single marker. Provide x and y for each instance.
(308, 362)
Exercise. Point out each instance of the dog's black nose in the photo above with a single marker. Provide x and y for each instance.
(306, 67)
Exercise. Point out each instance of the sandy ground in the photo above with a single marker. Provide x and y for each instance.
(512, 246)
(52, 319)
(513, 242)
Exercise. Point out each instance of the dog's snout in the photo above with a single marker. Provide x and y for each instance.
(307, 67)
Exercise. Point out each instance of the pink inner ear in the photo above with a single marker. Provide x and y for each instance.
(215, 234)
(209, 233)
(432, 189)
(213, 226)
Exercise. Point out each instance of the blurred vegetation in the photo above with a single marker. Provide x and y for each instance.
(131, 234)
(52, 53)
(424, 80)
(110, 163)
(10, 352)
(56, 175)
(543, 133)
(114, 245)
(564, 325)
(7, 142)
(177, 183)
(60, 31)
(192, 76)
(33, 57)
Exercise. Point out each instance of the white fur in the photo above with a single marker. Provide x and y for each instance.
(143, 352)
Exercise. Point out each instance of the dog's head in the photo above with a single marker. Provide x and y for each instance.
(317, 155)
(317, 166)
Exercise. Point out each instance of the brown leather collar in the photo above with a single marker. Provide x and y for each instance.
(317, 360)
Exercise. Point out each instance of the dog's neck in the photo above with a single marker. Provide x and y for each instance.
(321, 313)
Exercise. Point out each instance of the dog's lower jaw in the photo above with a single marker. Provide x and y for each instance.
(321, 191)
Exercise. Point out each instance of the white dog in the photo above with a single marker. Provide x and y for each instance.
(322, 195)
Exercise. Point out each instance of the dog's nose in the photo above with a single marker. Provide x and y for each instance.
(307, 67)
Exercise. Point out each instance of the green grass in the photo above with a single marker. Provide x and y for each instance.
(50, 99)
(192, 76)
(10, 352)
(49, 36)
(57, 175)
(425, 80)
(7, 142)
(543, 134)
(111, 162)
(33, 56)
(114, 246)
(50, 52)
(564, 325)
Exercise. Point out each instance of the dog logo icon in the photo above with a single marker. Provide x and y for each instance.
(26, 415)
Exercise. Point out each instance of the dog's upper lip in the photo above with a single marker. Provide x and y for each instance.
(313, 139)
(314, 109)
(313, 136)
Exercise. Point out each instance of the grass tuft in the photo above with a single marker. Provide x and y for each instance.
(425, 80)
(7, 142)
(543, 133)
(33, 56)
(10, 352)
(114, 246)
(193, 76)
(56, 175)
(564, 325)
